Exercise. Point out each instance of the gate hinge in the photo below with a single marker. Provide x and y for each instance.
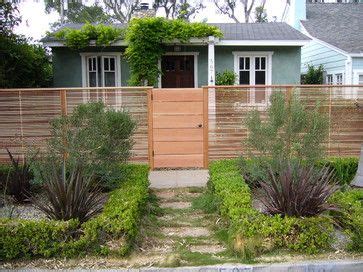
(152, 96)
(153, 153)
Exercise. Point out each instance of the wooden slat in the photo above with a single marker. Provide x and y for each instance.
(181, 161)
(177, 107)
(150, 129)
(177, 134)
(178, 95)
(177, 121)
(178, 148)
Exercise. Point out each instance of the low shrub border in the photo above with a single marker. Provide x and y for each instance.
(252, 232)
(113, 231)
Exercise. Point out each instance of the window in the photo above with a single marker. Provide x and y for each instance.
(101, 71)
(339, 79)
(360, 79)
(329, 79)
(253, 68)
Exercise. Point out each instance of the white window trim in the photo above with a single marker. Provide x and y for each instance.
(195, 54)
(356, 74)
(86, 94)
(267, 54)
(105, 54)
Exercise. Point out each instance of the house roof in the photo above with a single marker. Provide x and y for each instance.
(340, 25)
(239, 32)
(259, 31)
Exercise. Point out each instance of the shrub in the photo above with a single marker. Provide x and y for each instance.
(252, 232)
(314, 75)
(291, 131)
(69, 196)
(344, 168)
(113, 230)
(18, 179)
(98, 136)
(226, 78)
(349, 215)
(298, 190)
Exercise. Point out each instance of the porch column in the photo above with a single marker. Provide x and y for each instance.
(211, 64)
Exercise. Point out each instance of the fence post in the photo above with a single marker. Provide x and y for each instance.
(21, 125)
(205, 127)
(63, 101)
(150, 128)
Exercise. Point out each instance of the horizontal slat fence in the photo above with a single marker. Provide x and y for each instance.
(25, 115)
(229, 107)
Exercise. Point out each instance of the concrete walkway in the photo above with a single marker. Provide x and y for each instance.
(178, 178)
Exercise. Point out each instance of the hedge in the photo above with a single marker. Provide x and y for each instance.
(113, 231)
(252, 232)
(344, 168)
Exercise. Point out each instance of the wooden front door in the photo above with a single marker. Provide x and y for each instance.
(178, 128)
(177, 72)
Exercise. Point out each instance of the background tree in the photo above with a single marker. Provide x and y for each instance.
(260, 15)
(235, 9)
(21, 64)
(122, 10)
(182, 9)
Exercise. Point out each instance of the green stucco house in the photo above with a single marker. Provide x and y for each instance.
(259, 53)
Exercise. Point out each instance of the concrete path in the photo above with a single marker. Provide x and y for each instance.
(178, 178)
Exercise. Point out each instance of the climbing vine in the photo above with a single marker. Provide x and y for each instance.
(146, 40)
(81, 38)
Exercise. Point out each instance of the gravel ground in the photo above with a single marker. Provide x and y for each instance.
(22, 211)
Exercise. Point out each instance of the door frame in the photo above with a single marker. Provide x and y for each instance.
(194, 54)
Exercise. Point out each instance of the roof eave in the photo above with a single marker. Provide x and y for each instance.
(196, 41)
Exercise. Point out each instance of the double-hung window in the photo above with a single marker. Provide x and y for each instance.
(339, 79)
(254, 68)
(101, 70)
(329, 79)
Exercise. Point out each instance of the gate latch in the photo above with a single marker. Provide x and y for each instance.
(200, 125)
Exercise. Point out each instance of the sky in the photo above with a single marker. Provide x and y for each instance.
(35, 22)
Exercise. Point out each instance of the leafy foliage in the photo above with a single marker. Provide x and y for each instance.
(344, 168)
(261, 15)
(113, 231)
(80, 38)
(314, 75)
(290, 131)
(18, 179)
(226, 77)
(298, 190)
(349, 215)
(98, 136)
(179, 9)
(252, 232)
(146, 38)
(18, 56)
(69, 196)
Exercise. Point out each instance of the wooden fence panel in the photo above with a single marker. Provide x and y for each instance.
(25, 115)
(229, 107)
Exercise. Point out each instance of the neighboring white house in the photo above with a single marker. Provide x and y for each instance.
(336, 30)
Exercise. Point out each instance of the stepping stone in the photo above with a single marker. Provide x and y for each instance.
(176, 205)
(211, 249)
(165, 194)
(186, 231)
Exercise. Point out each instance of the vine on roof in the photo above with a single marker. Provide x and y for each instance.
(146, 39)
